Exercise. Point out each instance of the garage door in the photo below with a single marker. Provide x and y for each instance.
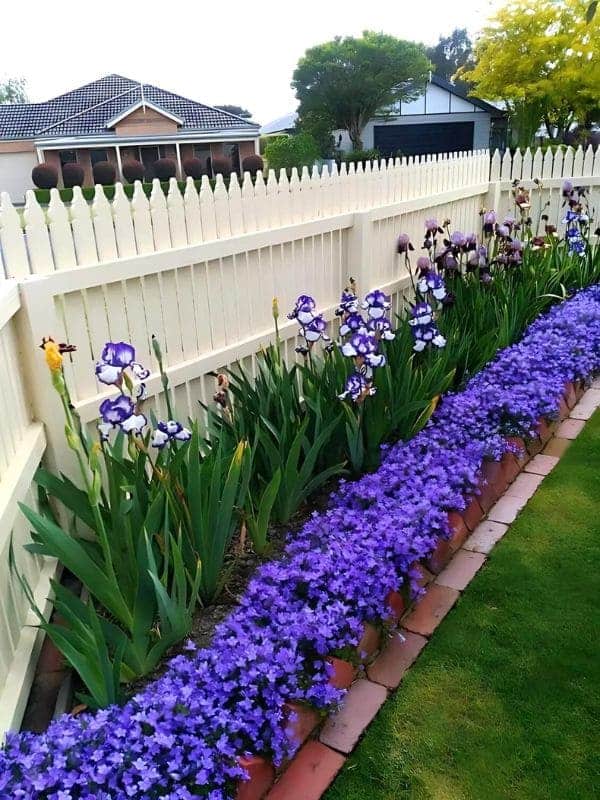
(431, 137)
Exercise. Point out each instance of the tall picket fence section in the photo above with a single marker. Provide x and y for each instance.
(199, 271)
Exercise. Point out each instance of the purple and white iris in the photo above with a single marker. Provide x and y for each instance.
(121, 412)
(357, 388)
(423, 327)
(168, 431)
(117, 357)
(353, 323)
(430, 281)
(376, 303)
(304, 310)
(315, 329)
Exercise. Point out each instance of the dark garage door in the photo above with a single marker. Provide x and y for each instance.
(431, 137)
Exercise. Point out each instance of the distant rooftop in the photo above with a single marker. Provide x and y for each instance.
(87, 110)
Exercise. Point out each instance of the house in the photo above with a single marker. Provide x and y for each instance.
(444, 119)
(115, 119)
(282, 126)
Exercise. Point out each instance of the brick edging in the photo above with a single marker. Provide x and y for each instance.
(448, 571)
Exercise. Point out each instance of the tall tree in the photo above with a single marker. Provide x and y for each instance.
(542, 58)
(351, 80)
(237, 110)
(12, 90)
(451, 53)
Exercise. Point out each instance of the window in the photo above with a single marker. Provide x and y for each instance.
(98, 155)
(67, 157)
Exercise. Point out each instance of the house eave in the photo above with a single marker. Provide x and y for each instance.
(112, 140)
(140, 104)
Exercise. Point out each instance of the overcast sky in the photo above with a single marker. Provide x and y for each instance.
(242, 53)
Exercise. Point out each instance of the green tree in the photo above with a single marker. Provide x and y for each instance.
(237, 110)
(320, 126)
(291, 151)
(13, 90)
(451, 53)
(542, 58)
(353, 79)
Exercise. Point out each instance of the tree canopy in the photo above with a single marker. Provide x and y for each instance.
(542, 58)
(12, 90)
(350, 80)
(239, 111)
(451, 53)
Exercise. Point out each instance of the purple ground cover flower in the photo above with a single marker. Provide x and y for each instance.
(181, 735)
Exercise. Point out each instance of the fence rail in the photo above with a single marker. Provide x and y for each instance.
(199, 271)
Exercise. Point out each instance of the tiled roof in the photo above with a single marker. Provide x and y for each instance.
(85, 111)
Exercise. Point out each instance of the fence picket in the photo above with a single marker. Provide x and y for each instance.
(284, 199)
(103, 228)
(260, 202)
(142, 222)
(295, 196)
(38, 240)
(61, 236)
(83, 229)
(160, 217)
(236, 217)
(176, 215)
(207, 211)
(588, 161)
(248, 207)
(272, 198)
(222, 208)
(578, 162)
(548, 164)
(191, 208)
(14, 251)
(123, 218)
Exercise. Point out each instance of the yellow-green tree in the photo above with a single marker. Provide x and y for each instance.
(542, 58)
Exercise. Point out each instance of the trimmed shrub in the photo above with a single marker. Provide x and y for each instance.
(165, 169)
(252, 164)
(73, 175)
(104, 173)
(292, 151)
(133, 170)
(193, 168)
(45, 176)
(221, 165)
(360, 156)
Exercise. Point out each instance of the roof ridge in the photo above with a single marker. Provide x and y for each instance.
(206, 105)
(85, 110)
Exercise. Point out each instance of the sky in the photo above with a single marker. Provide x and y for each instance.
(243, 53)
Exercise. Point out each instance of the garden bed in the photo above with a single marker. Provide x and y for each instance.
(183, 735)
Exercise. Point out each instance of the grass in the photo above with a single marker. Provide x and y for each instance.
(504, 702)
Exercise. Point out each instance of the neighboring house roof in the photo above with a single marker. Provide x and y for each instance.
(460, 91)
(280, 125)
(88, 110)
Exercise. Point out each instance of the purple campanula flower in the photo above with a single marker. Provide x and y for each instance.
(117, 410)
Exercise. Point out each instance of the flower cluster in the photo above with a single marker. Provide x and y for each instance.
(181, 736)
(312, 325)
(576, 218)
(117, 367)
(363, 336)
(424, 329)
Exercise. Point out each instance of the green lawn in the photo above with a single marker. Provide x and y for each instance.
(504, 703)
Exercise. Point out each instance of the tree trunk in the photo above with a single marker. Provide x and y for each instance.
(354, 132)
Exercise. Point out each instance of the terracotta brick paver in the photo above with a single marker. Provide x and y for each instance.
(461, 570)
(344, 728)
(309, 774)
(557, 447)
(541, 464)
(431, 609)
(399, 653)
(507, 508)
(570, 428)
(524, 486)
(587, 405)
(485, 536)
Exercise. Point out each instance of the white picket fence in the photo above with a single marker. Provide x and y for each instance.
(199, 271)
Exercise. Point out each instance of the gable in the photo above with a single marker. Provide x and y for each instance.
(145, 122)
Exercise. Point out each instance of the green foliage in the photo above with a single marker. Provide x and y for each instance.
(351, 79)
(320, 126)
(291, 151)
(360, 156)
(13, 90)
(237, 110)
(451, 53)
(540, 58)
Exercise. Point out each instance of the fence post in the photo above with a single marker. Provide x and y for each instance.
(360, 251)
(38, 318)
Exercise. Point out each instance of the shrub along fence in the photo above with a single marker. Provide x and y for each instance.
(199, 271)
